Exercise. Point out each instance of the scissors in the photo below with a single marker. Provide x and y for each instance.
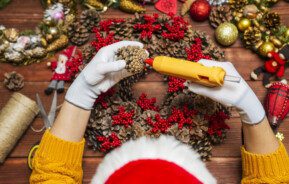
(48, 122)
(48, 119)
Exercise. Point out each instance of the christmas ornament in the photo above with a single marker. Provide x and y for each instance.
(226, 34)
(219, 15)
(94, 4)
(275, 66)
(60, 43)
(250, 11)
(200, 10)
(271, 20)
(186, 6)
(266, 47)
(13, 81)
(118, 116)
(28, 47)
(251, 37)
(244, 24)
(276, 104)
(130, 6)
(65, 68)
(167, 6)
(217, 2)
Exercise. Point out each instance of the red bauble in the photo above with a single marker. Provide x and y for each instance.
(200, 10)
(277, 103)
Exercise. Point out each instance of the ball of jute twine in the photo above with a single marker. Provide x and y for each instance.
(15, 118)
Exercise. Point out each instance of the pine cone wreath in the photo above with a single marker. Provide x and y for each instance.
(271, 20)
(78, 34)
(220, 14)
(251, 37)
(13, 81)
(123, 30)
(89, 19)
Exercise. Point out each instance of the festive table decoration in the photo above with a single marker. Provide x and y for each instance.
(200, 10)
(226, 34)
(118, 116)
(26, 47)
(275, 66)
(167, 6)
(276, 104)
(260, 29)
(64, 69)
(13, 81)
(186, 6)
(129, 6)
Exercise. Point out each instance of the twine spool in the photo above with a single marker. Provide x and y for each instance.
(15, 118)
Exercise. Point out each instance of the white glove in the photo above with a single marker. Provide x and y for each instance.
(98, 76)
(239, 95)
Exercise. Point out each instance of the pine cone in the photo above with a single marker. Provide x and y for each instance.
(78, 34)
(218, 139)
(220, 14)
(251, 37)
(123, 31)
(271, 20)
(134, 57)
(89, 19)
(238, 4)
(87, 53)
(203, 146)
(205, 105)
(13, 81)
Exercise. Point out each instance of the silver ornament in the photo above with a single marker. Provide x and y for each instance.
(217, 2)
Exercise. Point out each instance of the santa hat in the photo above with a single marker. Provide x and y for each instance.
(154, 161)
(69, 51)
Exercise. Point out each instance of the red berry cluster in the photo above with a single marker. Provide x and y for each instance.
(147, 104)
(108, 143)
(217, 123)
(175, 84)
(101, 41)
(123, 117)
(148, 27)
(101, 99)
(175, 29)
(182, 116)
(194, 53)
(160, 124)
(105, 24)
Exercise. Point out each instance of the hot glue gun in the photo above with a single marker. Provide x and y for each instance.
(193, 71)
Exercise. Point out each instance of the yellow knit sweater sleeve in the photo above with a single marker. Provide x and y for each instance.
(57, 161)
(269, 168)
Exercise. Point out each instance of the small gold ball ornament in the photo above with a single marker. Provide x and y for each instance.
(226, 34)
(244, 24)
(53, 31)
(266, 47)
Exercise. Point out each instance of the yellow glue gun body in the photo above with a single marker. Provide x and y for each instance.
(193, 71)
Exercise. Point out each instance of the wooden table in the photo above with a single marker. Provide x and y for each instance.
(226, 162)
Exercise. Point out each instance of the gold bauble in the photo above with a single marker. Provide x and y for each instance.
(265, 48)
(244, 24)
(11, 34)
(226, 34)
(43, 42)
(53, 31)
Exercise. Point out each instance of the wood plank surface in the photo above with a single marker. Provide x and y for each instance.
(226, 162)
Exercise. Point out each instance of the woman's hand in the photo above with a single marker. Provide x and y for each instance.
(239, 94)
(98, 76)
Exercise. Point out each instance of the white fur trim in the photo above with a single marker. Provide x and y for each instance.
(165, 148)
